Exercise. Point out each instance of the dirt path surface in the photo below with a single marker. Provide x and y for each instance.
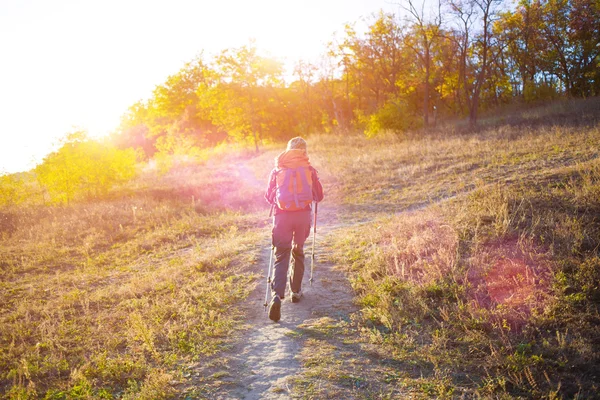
(264, 361)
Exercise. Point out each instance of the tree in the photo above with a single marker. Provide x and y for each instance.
(372, 67)
(84, 167)
(306, 73)
(246, 86)
(572, 29)
(421, 39)
(474, 47)
(173, 114)
(523, 45)
(12, 190)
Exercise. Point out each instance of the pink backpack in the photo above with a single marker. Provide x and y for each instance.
(294, 188)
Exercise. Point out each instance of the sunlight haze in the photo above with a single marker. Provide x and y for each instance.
(80, 64)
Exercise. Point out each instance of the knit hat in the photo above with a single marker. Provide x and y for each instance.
(296, 143)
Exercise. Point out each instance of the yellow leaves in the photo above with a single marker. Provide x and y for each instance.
(12, 190)
(394, 116)
(84, 167)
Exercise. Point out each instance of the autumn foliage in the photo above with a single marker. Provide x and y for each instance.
(443, 63)
(83, 168)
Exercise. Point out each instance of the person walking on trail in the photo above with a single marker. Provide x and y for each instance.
(293, 186)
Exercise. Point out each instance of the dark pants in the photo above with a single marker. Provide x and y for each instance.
(290, 231)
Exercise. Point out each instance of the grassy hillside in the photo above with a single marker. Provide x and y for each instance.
(115, 298)
(474, 257)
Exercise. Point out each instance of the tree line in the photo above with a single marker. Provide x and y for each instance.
(449, 61)
(453, 60)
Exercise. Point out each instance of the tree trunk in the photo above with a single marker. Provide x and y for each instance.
(426, 94)
(252, 119)
(473, 111)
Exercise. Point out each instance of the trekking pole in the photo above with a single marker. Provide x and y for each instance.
(267, 292)
(270, 263)
(312, 263)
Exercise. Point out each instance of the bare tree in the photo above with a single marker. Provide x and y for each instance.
(475, 47)
(425, 32)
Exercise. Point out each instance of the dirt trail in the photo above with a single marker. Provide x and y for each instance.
(264, 361)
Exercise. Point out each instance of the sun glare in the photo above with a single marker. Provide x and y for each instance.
(92, 73)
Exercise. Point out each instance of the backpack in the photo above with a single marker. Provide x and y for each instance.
(294, 188)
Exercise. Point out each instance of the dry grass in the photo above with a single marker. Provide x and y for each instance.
(491, 293)
(475, 261)
(390, 174)
(494, 292)
(113, 299)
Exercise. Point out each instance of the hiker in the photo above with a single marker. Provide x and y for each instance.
(293, 185)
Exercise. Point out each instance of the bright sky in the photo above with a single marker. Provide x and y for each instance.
(67, 64)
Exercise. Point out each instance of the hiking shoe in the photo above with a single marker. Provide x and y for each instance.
(296, 297)
(275, 309)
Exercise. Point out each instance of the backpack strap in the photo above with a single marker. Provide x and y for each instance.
(302, 174)
(295, 185)
(290, 178)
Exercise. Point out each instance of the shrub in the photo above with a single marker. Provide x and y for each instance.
(393, 116)
(12, 190)
(84, 167)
